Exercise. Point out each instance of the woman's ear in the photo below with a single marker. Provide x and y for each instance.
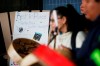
(64, 19)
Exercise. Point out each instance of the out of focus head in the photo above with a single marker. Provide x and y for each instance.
(21, 47)
(91, 9)
(83, 6)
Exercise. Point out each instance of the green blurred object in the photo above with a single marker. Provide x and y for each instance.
(95, 56)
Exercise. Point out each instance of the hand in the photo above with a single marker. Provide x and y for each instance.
(65, 51)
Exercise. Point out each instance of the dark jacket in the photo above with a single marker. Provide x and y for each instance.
(91, 42)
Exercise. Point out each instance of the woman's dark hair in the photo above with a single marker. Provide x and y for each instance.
(73, 18)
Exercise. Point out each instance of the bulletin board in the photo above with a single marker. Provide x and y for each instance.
(31, 25)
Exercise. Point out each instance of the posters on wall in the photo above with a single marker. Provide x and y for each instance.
(32, 25)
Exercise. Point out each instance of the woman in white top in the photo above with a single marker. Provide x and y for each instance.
(69, 21)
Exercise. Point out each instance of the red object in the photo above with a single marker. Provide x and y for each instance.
(51, 57)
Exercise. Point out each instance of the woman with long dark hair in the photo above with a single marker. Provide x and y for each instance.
(69, 22)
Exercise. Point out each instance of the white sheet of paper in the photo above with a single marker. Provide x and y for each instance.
(27, 23)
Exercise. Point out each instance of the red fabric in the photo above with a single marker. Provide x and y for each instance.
(51, 57)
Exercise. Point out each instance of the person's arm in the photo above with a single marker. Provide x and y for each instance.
(29, 60)
(13, 54)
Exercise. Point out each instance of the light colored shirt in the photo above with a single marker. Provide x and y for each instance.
(65, 40)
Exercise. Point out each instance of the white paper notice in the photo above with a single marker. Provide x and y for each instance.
(32, 25)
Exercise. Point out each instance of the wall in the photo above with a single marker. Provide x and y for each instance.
(5, 28)
(50, 4)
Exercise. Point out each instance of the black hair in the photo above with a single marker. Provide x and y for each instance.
(74, 21)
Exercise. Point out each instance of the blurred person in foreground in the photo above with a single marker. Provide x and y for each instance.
(91, 10)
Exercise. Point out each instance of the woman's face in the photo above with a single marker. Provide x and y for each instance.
(91, 9)
(61, 22)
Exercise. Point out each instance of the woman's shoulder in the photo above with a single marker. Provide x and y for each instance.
(81, 33)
